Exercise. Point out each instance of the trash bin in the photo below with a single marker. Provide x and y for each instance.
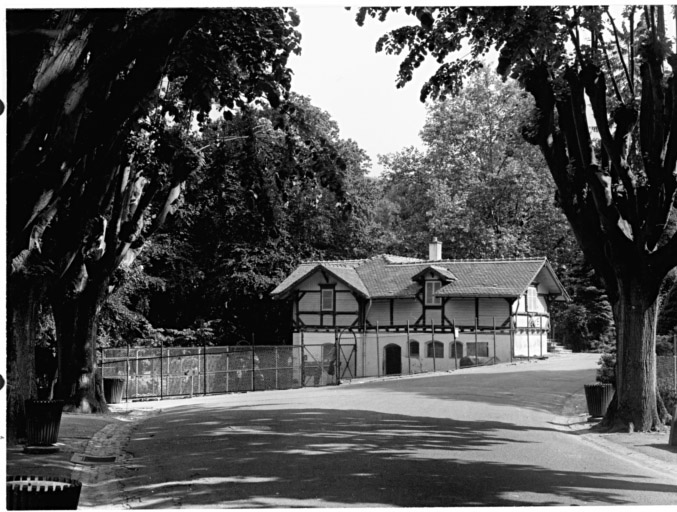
(113, 388)
(42, 493)
(43, 419)
(598, 396)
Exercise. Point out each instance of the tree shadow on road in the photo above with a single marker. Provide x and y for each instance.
(239, 457)
(519, 389)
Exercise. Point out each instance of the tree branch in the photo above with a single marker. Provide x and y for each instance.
(618, 49)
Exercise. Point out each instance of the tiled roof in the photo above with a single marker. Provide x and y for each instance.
(387, 276)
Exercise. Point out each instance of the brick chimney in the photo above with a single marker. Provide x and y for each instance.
(435, 250)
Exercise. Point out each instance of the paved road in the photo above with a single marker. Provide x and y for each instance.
(490, 437)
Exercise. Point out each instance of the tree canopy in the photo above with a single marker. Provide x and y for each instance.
(584, 66)
(102, 116)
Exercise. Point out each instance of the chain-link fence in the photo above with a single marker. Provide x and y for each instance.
(188, 371)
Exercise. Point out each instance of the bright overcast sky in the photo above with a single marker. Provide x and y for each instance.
(342, 74)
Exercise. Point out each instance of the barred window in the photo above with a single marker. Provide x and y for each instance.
(482, 349)
(438, 348)
(413, 348)
(455, 349)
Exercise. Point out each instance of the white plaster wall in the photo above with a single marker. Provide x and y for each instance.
(537, 344)
(407, 309)
(493, 308)
(460, 311)
(379, 312)
(346, 302)
(372, 360)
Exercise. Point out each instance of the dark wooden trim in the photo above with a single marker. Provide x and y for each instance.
(392, 311)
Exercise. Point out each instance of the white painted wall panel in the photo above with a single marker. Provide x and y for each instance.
(346, 302)
(345, 320)
(407, 310)
(537, 344)
(461, 311)
(310, 319)
(310, 302)
(434, 315)
(491, 308)
(379, 312)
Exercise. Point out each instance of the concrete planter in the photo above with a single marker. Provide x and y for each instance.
(43, 419)
(113, 388)
(42, 493)
(598, 397)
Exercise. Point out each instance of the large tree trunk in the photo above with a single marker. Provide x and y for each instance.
(25, 298)
(76, 320)
(635, 318)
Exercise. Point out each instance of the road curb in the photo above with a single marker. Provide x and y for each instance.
(99, 482)
(580, 426)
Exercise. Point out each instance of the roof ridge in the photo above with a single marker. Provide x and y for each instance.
(319, 262)
(471, 260)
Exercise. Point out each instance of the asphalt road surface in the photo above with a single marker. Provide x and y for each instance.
(488, 437)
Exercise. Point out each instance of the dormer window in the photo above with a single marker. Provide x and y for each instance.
(327, 298)
(431, 287)
(532, 299)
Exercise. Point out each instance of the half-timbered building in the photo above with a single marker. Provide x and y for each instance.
(407, 315)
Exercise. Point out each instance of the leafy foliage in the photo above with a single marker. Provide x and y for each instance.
(276, 186)
(477, 185)
(616, 186)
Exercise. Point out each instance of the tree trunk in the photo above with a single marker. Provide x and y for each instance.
(635, 318)
(76, 320)
(25, 298)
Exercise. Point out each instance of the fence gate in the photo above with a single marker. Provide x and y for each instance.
(348, 361)
(319, 365)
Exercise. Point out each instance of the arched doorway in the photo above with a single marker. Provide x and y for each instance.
(393, 359)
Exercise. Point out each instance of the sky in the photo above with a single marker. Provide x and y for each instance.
(341, 72)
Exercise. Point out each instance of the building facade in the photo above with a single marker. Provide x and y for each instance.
(407, 315)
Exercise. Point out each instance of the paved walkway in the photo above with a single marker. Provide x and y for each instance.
(107, 435)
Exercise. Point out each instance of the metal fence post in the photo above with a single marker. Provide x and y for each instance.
(494, 329)
(477, 361)
(337, 348)
(512, 337)
(204, 363)
(127, 381)
(378, 353)
(303, 362)
(253, 369)
(161, 343)
(453, 324)
(408, 348)
(432, 328)
(528, 340)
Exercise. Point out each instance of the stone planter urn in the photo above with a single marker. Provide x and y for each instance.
(598, 397)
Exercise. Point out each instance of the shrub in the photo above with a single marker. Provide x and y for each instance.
(664, 345)
(466, 361)
(669, 396)
(606, 373)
